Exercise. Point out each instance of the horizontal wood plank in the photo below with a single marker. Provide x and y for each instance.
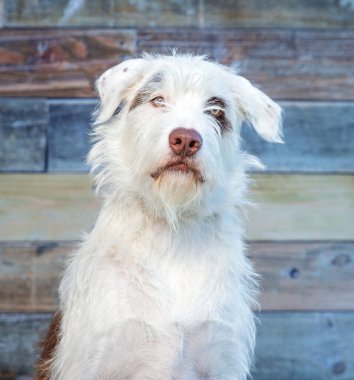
(294, 276)
(291, 346)
(287, 64)
(291, 207)
(202, 13)
(23, 134)
(59, 63)
(68, 137)
(302, 207)
(305, 276)
(309, 131)
(45, 207)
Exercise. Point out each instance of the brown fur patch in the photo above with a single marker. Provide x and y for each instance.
(48, 345)
(144, 93)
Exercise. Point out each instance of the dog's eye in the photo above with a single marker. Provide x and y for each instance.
(216, 112)
(159, 101)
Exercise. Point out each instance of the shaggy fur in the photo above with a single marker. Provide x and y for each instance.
(161, 288)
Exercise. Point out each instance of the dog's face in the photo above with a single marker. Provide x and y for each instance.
(168, 132)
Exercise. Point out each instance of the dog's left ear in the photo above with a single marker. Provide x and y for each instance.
(114, 84)
(258, 109)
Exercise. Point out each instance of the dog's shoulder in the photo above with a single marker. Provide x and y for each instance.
(48, 346)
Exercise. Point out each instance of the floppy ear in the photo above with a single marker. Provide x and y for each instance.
(258, 109)
(113, 85)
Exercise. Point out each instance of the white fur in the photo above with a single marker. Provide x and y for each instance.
(161, 288)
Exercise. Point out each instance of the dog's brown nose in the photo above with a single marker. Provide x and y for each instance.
(185, 142)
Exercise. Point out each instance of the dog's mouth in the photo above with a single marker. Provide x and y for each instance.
(185, 166)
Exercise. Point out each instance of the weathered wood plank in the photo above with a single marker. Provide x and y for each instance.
(120, 13)
(291, 346)
(59, 63)
(287, 64)
(20, 335)
(309, 131)
(309, 127)
(68, 138)
(44, 207)
(23, 129)
(291, 207)
(29, 275)
(305, 346)
(294, 276)
(305, 276)
(319, 137)
(202, 13)
(302, 207)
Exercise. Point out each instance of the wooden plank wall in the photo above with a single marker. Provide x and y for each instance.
(301, 236)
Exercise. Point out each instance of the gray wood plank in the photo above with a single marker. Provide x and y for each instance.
(69, 135)
(319, 137)
(294, 276)
(305, 346)
(305, 275)
(310, 130)
(201, 13)
(291, 346)
(23, 128)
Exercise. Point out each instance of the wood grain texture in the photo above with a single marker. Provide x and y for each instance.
(318, 136)
(291, 346)
(29, 275)
(302, 207)
(119, 13)
(68, 138)
(305, 275)
(23, 134)
(305, 346)
(59, 63)
(45, 207)
(291, 207)
(310, 128)
(286, 63)
(201, 13)
(294, 276)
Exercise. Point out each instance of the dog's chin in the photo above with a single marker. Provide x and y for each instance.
(178, 186)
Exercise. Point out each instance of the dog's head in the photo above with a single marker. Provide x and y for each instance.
(167, 131)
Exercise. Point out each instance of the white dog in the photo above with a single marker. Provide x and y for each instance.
(161, 288)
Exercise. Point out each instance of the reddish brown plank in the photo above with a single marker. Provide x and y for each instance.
(59, 63)
(288, 64)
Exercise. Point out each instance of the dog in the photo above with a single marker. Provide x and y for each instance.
(162, 288)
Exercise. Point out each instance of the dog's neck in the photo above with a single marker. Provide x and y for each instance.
(129, 219)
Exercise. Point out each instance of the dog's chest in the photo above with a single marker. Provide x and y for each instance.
(174, 288)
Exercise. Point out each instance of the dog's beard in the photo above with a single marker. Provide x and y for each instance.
(178, 184)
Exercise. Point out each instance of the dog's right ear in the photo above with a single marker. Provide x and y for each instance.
(114, 84)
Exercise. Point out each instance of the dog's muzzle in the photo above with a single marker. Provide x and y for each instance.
(184, 144)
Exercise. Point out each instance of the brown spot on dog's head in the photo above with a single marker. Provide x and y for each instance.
(144, 93)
